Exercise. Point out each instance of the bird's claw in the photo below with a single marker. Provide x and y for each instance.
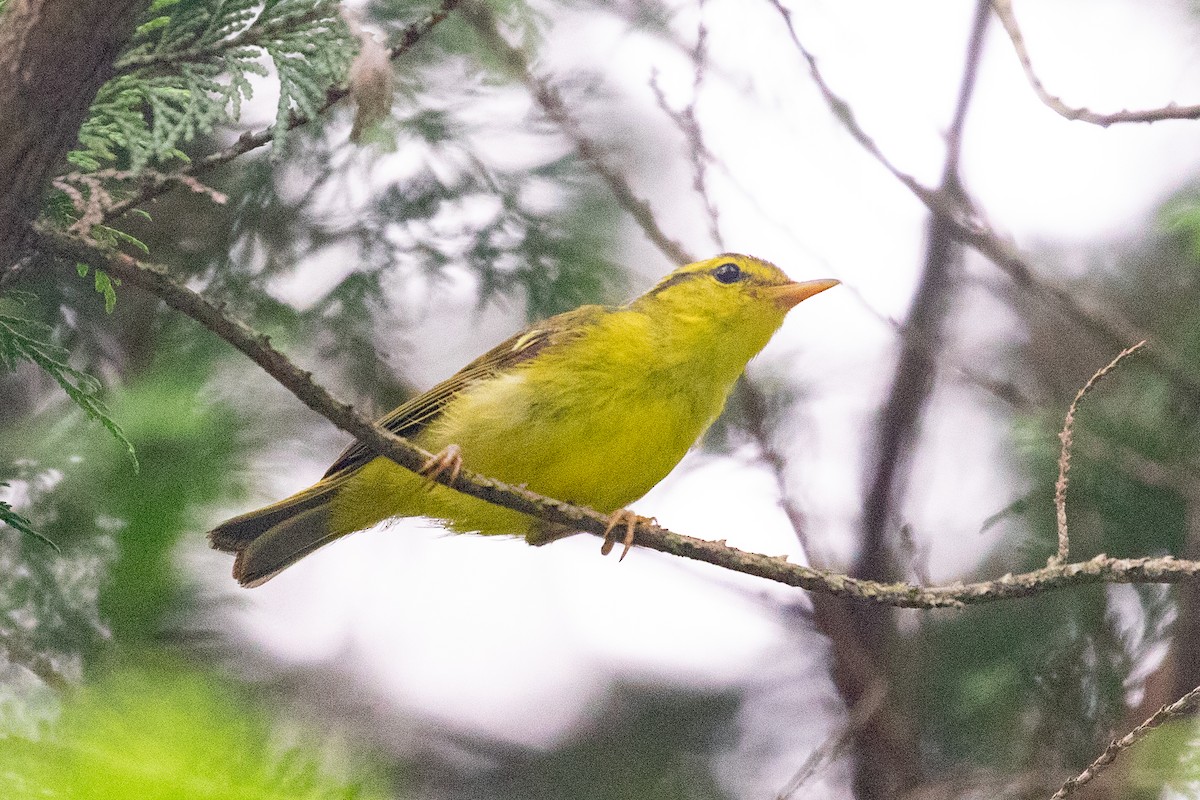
(630, 520)
(449, 459)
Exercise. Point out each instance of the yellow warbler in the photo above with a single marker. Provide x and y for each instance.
(594, 407)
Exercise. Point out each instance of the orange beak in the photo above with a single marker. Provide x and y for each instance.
(792, 293)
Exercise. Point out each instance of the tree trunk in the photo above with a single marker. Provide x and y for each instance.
(54, 56)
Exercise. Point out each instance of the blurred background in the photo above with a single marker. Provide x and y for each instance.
(901, 427)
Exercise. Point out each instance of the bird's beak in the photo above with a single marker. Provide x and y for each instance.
(792, 293)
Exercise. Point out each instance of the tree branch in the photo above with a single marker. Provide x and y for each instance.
(969, 226)
(687, 123)
(551, 102)
(1066, 437)
(1008, 19)
(1188, 704)
(155, 280)
(888, 743)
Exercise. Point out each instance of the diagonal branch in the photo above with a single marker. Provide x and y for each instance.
(1184, 706)
(829, 750)
(553, 106)
(155, 280)
(1008, 19)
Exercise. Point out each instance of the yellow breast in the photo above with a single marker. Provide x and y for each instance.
(597, 422)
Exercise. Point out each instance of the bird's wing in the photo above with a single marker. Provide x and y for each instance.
(412, 416)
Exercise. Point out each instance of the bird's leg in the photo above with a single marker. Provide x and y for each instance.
(630, 520)
(449, 459)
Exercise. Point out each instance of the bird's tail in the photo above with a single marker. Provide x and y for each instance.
(271, 539)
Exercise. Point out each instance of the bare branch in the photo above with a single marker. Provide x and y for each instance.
(555, 109)
(755, 404)
(1188, 704)
(971, 228)
(1008, 19)
(842, 110)
(828, 750)
(698, 154)
(689, 126)
(157, 184)
(256, 347)
(1066, 436)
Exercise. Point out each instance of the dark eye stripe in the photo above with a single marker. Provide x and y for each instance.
(674, 279)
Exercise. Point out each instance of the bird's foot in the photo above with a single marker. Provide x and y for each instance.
(449, 460)
(630, 520)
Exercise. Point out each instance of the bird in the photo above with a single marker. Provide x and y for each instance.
(592, 407)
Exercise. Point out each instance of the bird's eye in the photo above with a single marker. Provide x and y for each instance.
(728, 273)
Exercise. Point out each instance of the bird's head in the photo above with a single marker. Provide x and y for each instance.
(731, 291)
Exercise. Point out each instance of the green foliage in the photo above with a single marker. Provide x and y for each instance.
(25, 340)
(163, 732)
(998, 688)
(1167, 758)
(189, 67)
(116, 581)
(104, 286)
(1181, 218)
(48, 599)
(12, 519)
(189, 447)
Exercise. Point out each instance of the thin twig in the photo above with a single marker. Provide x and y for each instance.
(829, 749)
(553, 106)
(257, 348)
(698, 154)
(1008, 19)
(685, 120)
(1188, 704)
(94, 206)
(755, 405)
(842, 110)
(1066, 436)
(159, 184)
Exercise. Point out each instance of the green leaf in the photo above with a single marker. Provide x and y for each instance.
(163, 731)
(187, 71)
(105, 285)
(21, 340)
(18, 522)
